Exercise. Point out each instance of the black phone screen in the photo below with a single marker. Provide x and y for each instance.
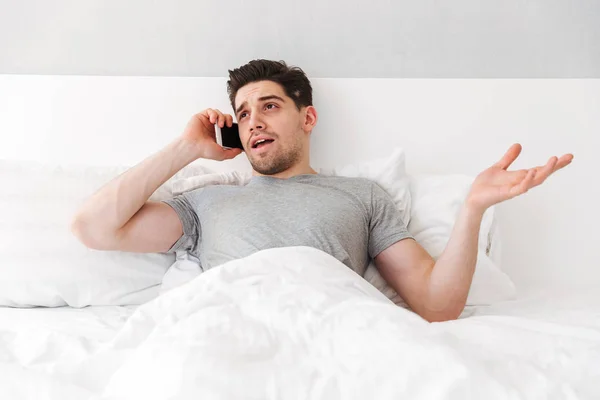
(230, 137)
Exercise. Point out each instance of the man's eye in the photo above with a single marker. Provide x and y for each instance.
(242, 115)
(270, 106)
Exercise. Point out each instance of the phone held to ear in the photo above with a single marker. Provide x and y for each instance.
(228, 138)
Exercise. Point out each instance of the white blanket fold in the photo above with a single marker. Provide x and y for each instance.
(295, 323)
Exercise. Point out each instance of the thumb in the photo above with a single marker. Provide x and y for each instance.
(232, 153)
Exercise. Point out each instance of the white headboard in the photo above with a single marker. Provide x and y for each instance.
(550, 235)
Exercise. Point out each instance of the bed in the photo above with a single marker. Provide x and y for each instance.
(81, 324)
(541, 346)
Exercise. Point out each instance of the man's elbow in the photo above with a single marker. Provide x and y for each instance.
(86, 232)
(449, 314)
(441, 317)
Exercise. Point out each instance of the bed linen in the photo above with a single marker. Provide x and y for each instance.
(293, 323)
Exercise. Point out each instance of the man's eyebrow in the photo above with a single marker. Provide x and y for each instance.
(240, 107)
(271, 97)
(264, 98)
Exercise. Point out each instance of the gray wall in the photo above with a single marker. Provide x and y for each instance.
(327, 38)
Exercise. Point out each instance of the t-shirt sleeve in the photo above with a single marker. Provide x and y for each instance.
(386, 225)
(185, 206)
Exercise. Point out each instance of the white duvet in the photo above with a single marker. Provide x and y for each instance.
(295, 323)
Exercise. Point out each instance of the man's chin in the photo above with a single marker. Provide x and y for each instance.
(272, 164)
(269, 169)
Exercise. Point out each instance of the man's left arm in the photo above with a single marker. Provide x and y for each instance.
(438, 290)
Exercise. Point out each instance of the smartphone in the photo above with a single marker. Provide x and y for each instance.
(228, 138)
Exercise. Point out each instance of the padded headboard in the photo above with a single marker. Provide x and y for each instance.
(549, 236)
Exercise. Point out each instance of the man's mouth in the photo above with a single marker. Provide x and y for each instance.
(262, 143)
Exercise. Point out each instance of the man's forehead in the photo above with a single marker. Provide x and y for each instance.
(256, 90)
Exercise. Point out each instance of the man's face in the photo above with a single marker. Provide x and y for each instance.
(264, 111)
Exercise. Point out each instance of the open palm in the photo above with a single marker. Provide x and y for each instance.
(497, 184)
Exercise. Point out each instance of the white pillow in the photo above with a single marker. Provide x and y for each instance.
(437, 200)
(43, 264)
(389, 172)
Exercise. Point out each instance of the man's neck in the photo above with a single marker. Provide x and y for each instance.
(290, 172)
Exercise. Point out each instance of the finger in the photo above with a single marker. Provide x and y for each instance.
(542, 173)
(212, 115)
(553, 165)
(201, 115)
(529, 180)
(525, 184)
(229, 120)
(231, 153)
(204, 118)
(518, 176)
(563, 161)
(220, 118)
(510, 156)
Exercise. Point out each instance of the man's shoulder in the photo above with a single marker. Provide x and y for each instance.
(210, 191)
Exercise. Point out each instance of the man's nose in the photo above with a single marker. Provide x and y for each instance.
(256, 124)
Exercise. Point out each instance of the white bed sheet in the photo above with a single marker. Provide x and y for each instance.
(552, 337)
(37, 336)
(38, 346)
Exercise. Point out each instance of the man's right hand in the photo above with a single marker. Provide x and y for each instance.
(200, 133)
(120, 215)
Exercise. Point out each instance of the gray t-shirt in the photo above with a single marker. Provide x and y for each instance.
(353, 219)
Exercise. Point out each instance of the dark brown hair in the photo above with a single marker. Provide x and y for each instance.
(293, 80)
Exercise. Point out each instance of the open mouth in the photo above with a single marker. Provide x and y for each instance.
(262, 143)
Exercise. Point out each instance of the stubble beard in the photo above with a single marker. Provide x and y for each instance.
(273, 163)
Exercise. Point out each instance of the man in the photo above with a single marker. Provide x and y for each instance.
(287, 203)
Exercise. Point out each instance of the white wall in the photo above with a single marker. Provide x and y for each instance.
(550, 235)
(328, 38)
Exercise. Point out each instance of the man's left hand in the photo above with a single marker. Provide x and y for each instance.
(496, 184)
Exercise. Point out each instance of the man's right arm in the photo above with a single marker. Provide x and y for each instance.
(119, 215)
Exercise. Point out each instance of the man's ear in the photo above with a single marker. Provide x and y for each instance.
(310, 118)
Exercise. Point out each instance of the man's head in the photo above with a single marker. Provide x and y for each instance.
(273, 101)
